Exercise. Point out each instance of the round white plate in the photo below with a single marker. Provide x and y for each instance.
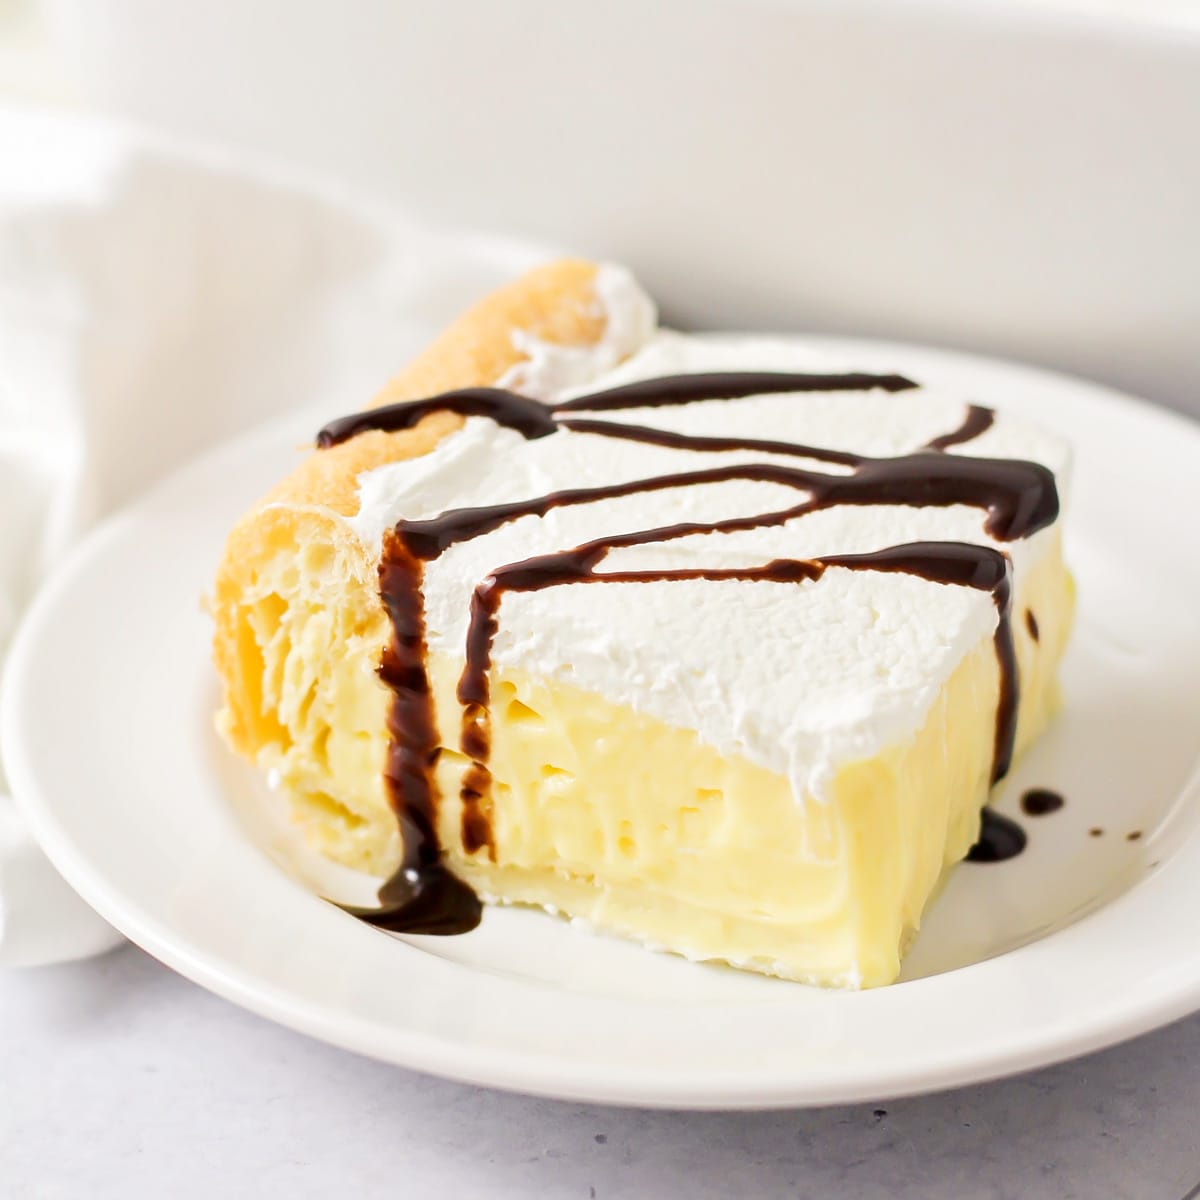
(1077, 943)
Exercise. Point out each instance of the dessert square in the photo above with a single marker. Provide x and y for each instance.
(703, 640)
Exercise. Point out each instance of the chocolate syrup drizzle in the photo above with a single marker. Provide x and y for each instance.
(1017, 497)
(978, 420)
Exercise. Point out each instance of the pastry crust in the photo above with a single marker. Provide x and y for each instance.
(555, 303)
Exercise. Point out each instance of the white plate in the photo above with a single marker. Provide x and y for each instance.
(1079, 942)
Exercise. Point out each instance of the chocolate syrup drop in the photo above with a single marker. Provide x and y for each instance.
(1017, 497)
(1000, 838)
(1040, 802)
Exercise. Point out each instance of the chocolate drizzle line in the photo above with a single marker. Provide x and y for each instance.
(530, 418)
(422, 896)
(1018, 498)
(977, 421)
(533, 419)
(689, 441)
(670, 390)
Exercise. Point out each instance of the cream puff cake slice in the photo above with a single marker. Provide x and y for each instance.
(706, 641)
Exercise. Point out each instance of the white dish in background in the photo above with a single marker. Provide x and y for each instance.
(1015, 177)
(1079, 942)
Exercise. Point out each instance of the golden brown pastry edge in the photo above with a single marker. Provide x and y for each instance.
(554, 303)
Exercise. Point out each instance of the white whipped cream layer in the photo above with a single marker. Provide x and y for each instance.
(549, 369)
(799, 678)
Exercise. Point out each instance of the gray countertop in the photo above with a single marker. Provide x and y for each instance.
(120, 1079)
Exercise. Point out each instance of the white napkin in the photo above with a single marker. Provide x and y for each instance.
(153, 301)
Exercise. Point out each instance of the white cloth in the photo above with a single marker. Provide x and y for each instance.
(153, 301)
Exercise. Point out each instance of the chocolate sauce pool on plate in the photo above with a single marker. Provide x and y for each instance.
(1000, 838)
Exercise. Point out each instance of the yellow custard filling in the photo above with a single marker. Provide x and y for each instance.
(615, 817)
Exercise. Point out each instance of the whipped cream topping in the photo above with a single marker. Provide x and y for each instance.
(549, 369)
(797, 677)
